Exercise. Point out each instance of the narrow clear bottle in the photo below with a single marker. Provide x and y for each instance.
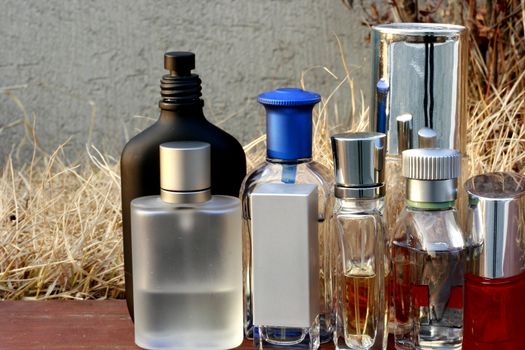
(187, 257)
(360, 261)
(429, 254)
(289, 161)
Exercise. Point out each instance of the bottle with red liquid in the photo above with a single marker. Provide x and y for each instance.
(429, 254)
(495, 279)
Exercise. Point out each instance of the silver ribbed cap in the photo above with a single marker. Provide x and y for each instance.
(358, 160)
(431, 164)
(185, 171)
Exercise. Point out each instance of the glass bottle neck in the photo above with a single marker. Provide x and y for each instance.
(361, 203)
(288, 161)
(431, 206)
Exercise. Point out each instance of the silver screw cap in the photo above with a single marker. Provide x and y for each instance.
(431, 164)
(359, 159)
(185, 166)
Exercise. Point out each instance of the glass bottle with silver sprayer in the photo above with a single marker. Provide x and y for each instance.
(361, 262)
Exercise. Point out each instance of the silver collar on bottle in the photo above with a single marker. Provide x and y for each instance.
(359, 164)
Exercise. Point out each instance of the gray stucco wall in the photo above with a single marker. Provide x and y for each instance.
(95, 65)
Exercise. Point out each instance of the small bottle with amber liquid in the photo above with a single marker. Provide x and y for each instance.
(360, 263)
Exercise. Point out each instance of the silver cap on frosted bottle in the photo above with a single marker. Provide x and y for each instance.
(359, 164)
(496, 223)
(185, 172)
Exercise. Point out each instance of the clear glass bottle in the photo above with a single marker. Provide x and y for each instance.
(361, 263)
(289, 160)
(187, 257)
(429, 254)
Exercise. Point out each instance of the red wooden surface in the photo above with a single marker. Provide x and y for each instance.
(71, 325)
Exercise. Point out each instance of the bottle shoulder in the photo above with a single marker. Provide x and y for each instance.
(183, 129)
(429, 230)
(140, 143)
(143, 147)
(302, 173)
(156, 204)
(359, 206)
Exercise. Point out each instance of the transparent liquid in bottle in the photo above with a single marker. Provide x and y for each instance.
(187, 273)
(359, 309)
(428, 296)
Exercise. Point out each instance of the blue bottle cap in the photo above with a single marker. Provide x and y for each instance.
(289, 122)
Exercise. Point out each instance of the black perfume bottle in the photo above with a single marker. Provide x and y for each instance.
(181, 119)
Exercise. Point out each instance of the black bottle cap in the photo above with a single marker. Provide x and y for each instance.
(179, 63)
(180, 86)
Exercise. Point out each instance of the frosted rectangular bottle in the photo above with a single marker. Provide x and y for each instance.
(187, 258)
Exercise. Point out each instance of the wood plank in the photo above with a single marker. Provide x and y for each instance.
(71, 325)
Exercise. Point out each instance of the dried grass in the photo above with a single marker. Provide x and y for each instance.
(60, 222)
(60, 228)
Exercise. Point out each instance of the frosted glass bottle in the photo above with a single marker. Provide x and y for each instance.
(187, 258)
(289, 161)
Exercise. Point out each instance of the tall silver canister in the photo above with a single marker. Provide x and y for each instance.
(418, 81)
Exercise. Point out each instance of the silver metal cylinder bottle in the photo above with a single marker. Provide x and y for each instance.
(359, 261)
(424, 66)
(418, 69)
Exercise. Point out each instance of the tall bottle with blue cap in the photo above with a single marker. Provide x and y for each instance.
(289, 161)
